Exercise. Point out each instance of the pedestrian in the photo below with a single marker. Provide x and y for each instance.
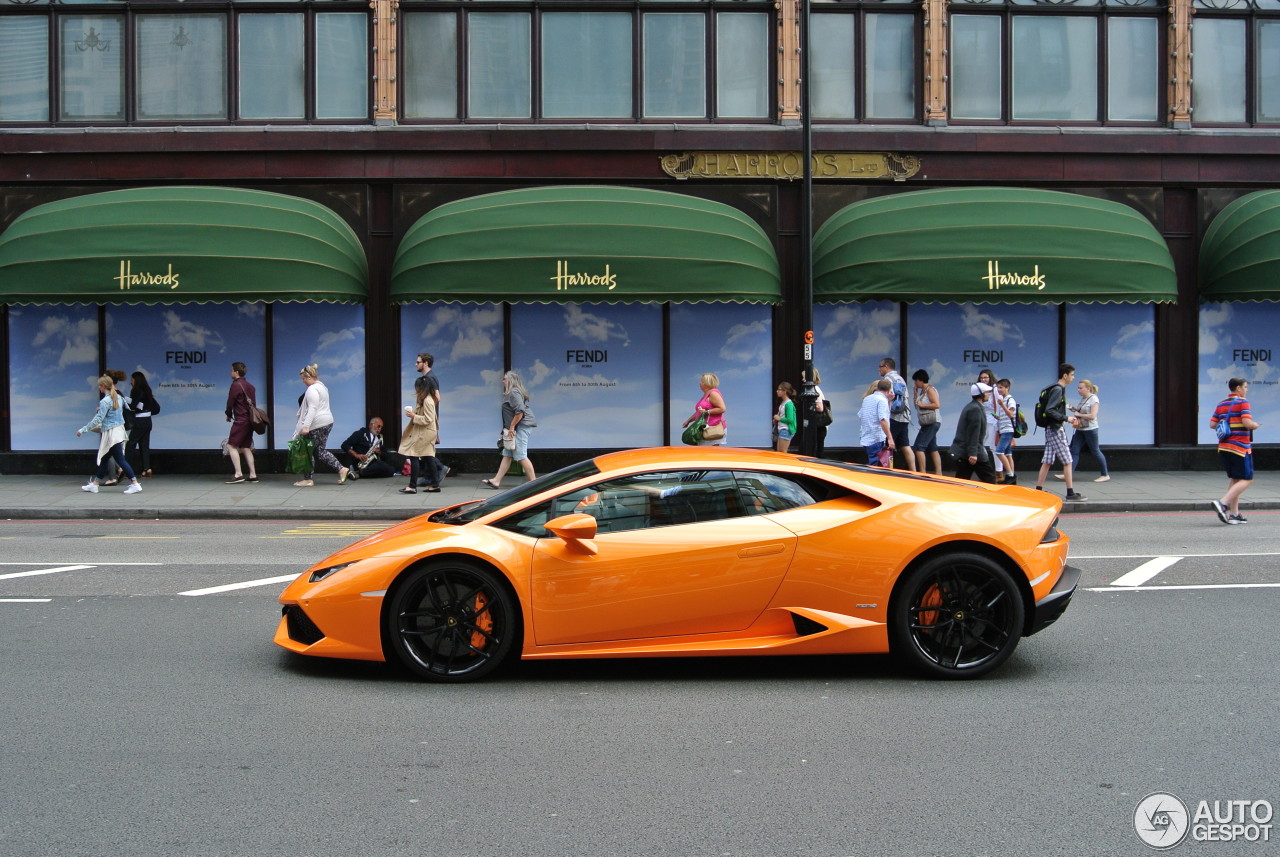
(821, 416)
(1006, 415)
(240, 400)
(1235, 448)
(873, 421)
(1086, 423)
(418, 442)
(315, 420)
(969, 448)
(1051, 407)
(118, 378)
(928, 412)
(711, 405)
(784, 421)
(987, 377)
(109, 420)
(435, 469)
(143, 405)
(517, 422)
(899, 411)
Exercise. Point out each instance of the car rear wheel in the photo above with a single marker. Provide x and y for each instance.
(452, 622)
(958, 615)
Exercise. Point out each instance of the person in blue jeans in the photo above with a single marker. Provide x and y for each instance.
(109, 419)
(1086, 423)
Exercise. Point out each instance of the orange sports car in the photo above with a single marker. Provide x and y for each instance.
(696, 551)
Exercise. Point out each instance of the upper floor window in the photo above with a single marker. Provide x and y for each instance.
(699, 61)
(160, 63)
(864, 61)
(1235, 71)
(1076, 61)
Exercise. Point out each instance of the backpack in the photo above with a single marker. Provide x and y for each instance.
(1044, 417)
(899, 404)
(1019, 420)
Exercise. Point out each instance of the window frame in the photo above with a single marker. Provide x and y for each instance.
(637, 9)
(1252, 13)
(1102, 12)
(860, 11)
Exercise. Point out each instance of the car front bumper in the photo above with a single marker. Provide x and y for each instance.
(1049, 608)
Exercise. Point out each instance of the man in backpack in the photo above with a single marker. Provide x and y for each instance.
(1053, 406)
(899, 411)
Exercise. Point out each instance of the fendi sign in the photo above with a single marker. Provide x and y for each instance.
(790, 165)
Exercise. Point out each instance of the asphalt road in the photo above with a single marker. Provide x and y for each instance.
(136, 720)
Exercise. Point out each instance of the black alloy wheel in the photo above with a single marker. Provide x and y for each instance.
(452, 622)
(958, 615)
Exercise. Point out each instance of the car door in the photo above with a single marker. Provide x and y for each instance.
(677, 555)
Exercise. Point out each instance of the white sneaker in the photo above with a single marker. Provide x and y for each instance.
(134, 488)
(1103, 479)
(91, 487)
(1059, 477)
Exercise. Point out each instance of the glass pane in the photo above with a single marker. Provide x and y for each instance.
(675, 65)
(271, 66)
(733, 341)
(586, 65)
(498, 65)
(1120, 341)
(742, 65)
(1133, 69)
(92, 74)
(24, 69)
(430, 65)
(891, 67)
(342, 65)
(1217, 70)
(1055, 67)
(182, 67)
(975, 67)
(1267, 58)
(53, 359)
(833, 70)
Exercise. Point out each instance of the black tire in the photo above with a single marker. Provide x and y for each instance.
(958, 615)
(452, 621)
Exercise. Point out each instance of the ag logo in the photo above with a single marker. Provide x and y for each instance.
(1161, 820)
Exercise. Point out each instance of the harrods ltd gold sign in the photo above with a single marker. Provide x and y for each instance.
(790, 165)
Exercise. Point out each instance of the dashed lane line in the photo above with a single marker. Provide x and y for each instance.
(248, 584)
(25, 600)
(1146, 571)
(39, 571)
(1171, 588)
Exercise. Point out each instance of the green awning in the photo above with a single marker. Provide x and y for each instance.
(589, 244)
(991, 244)
(181, 245)
(1240, 254)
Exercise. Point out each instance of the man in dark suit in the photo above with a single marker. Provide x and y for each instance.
(368, 453)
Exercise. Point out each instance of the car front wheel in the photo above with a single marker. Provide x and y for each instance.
(958, 615)
(452, 622)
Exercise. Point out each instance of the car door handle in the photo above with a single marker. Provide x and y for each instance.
(761, 550)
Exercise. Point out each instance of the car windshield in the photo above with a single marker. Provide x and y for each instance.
(469, 512)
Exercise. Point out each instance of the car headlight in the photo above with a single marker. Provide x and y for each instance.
(321, 573)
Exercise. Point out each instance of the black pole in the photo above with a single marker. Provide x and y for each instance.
(808, 391)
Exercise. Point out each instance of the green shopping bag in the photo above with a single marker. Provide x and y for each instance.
(693, 433)
(301, 451)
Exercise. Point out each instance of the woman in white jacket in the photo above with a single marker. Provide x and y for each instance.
(315, 420)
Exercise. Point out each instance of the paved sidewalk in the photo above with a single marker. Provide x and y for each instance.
(275, 498)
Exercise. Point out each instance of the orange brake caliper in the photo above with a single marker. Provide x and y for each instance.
(484, 622)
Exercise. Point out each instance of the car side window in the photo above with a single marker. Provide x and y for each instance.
(764, 493)
(640, 501)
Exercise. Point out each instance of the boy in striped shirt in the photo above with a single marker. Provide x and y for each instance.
(1236, 450)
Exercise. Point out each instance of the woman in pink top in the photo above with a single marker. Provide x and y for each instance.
(711, 404)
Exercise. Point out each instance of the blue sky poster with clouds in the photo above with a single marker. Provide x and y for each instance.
(735, 342)
(53, 372)
(594, 372)
(186, 352)
(332, 337)
(466, 341)
(850, 339)
(1114, 346)
(1239, 340)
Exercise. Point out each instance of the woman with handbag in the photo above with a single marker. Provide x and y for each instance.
(711, 408)
(143, 406)
(315, 421)
(928, 410)
(418, 441)
(109, 420)
(241, 398)
(517, 420)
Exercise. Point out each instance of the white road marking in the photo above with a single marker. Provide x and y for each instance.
(1184, 586)
(1214, 555)
(1146, 571)
(248, 584)
(40, 571)
(25, 600)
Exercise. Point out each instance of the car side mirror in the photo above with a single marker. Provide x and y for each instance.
(577, 531)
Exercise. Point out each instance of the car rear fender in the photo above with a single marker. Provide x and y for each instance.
(978, 547)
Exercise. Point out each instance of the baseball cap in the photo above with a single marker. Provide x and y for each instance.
(979, 389)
